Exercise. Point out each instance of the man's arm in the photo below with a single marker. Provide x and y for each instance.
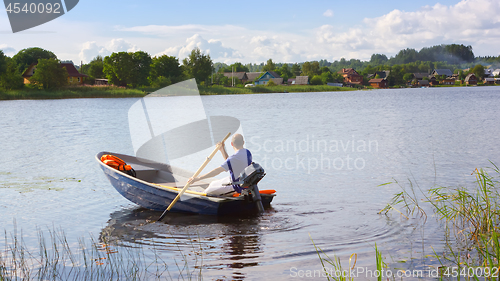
(210, 174)
(223, 151)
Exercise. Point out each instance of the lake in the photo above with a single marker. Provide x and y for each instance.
(326, 154)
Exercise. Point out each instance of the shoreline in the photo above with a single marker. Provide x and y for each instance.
(117, 92)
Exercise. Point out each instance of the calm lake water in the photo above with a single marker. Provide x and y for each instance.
(325, 153)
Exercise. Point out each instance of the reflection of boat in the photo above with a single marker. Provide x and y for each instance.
(157, 184)
(224, 242)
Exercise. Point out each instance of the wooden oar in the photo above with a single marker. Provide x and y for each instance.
(194, 176)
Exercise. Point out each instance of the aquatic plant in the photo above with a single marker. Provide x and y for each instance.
(471, 219)
(55, 259)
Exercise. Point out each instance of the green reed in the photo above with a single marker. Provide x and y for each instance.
(471, 219)
(338, 272)
(56, 259)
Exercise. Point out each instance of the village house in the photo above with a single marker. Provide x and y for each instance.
(251, 76)
(378, 83)
(489, 81)
(433, 81)
(242, 76)
(448, 81)
(423, 83)
(269, 76)
(301, 80)
(471, 79)
(488, 73)
(351, 76)
(74, 77)
(439, 72)
(379, 74)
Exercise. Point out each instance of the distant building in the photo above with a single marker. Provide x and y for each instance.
(301, 80)
(433, 81)
(242, 76)
(471, 79)
(423, 83)
(74, 77)
(440, 72)
(101, 82)
(335, 84)
(488, 73)
(489, 81)
(351, 76)
(378, 83)
(448, 81)
(266, 77)
(251, 76)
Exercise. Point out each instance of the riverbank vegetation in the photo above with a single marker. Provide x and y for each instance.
(471, 230)
(57, 259)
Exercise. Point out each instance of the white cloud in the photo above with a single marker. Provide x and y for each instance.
(8, 51)
(328, 13)
(214, 47)
(91, 49)
(468, 22)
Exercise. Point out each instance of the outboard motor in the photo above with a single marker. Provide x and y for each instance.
(248, 181)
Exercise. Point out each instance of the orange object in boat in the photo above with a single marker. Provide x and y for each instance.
(265, 191)
(115, 162)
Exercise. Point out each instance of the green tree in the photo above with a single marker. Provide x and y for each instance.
(95, 68)
(164, 67)
(10, 78)
(407, 77)
(478, 70)
(310, 68)
(236, 67)
(296, 69)
(49, 74)
(117, 68)
(270, 66)
(198, 66)
(378, 59)
(285, 72)
(326, 77)
(141, 68)
(316, 80)
(3, 62)
(26, 57)
(338, 77)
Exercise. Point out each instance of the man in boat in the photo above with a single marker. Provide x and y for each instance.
(234, 164)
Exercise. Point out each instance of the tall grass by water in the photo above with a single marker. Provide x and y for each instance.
(471, 221)
(471, 218)
(56, 259)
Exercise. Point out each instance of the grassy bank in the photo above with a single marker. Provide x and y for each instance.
(116, 92)
(221, 90)
(72, 92)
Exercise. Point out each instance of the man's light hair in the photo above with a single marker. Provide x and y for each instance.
(238, 141)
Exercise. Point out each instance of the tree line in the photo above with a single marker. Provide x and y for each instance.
(129, 69)
(139, 69)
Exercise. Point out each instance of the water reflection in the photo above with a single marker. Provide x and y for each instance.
(226, 242)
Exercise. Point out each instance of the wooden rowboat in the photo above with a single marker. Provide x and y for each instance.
(157, 184)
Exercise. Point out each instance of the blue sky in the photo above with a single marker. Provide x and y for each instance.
(286, 31)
